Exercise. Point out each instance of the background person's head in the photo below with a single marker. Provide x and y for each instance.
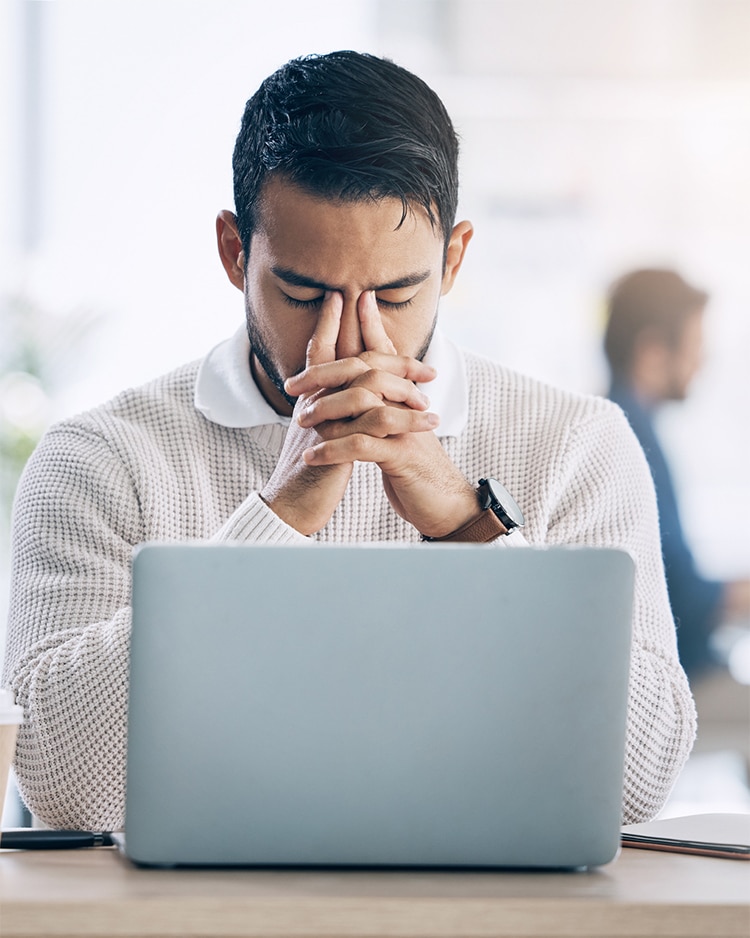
(654, 334)
(347, 127)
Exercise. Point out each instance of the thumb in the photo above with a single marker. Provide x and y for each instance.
(321, 348)
(375, 337)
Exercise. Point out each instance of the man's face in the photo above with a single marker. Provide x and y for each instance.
(685, 359)
(304, 245)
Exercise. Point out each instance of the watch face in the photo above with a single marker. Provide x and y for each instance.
(504, 505)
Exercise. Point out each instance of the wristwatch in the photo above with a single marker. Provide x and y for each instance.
(500, 515)
(495, 496)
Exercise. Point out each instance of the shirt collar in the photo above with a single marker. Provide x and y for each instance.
(225, 390)
(226, 393)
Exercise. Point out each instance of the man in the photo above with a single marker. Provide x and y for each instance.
(312, 424)
(654, 345)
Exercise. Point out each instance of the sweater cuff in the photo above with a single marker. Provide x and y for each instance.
(514, 539)
(254, 522)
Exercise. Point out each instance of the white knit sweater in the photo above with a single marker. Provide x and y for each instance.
(149, 466)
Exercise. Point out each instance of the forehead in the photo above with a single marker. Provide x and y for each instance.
(335, 241)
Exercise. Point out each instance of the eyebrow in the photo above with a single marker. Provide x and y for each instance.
(295, 279)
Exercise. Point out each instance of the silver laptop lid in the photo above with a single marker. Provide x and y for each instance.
(449, 705)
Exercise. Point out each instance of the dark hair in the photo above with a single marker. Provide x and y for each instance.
(347, 126)
(653, 302)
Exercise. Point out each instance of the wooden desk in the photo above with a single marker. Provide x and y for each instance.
(96, 892)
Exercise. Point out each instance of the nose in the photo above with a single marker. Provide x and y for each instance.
(350, 342)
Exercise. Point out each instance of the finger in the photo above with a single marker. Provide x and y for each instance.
(359, 398)
(338, 373)
(360, 447)
(322, 345)
(403, 366)
(374, 336)
(380, 422)
(338, 405)
(391, 388)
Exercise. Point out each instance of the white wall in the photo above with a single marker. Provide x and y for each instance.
(143, 101)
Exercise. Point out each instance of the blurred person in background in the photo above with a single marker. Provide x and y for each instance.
(654, 346)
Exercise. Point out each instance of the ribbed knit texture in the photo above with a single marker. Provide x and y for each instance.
(147, 466)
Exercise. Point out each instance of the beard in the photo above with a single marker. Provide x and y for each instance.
(260, 351)
(426, 344)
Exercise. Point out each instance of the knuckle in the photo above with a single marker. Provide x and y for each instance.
(363, 398)
(359, 367)
(371, 384)
(364, 444)
(390, 419)
(382, 421)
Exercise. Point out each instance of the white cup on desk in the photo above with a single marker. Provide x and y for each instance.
(11, 717)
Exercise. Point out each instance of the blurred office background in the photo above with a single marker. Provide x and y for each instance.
(597, 135)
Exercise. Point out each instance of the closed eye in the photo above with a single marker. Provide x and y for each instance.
(318, 300)
(302, 304)
(402, 305)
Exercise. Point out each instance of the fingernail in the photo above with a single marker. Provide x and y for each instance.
(432, 419)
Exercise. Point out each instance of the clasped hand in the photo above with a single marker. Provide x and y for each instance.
(365, 407)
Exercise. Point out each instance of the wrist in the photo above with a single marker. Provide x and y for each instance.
(496, 514)
(464, 510)
(289, 512)
(481, 529)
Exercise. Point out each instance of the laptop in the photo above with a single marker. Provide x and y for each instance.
(441, 706)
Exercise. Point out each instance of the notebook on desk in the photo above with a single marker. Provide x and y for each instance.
(431, 706)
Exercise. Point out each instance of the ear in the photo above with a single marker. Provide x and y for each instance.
(454, 256)
(230, 248)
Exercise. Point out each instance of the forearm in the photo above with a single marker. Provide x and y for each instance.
(661, 730)
(255, 522)
(68, 665)
(70, 757)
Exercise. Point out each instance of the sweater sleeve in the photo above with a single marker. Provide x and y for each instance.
(605, 497)
(76, 521)
(78, 516)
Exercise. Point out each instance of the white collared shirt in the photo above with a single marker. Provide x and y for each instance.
(226, 392)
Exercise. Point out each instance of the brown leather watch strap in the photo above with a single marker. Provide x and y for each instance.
(487, 527)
